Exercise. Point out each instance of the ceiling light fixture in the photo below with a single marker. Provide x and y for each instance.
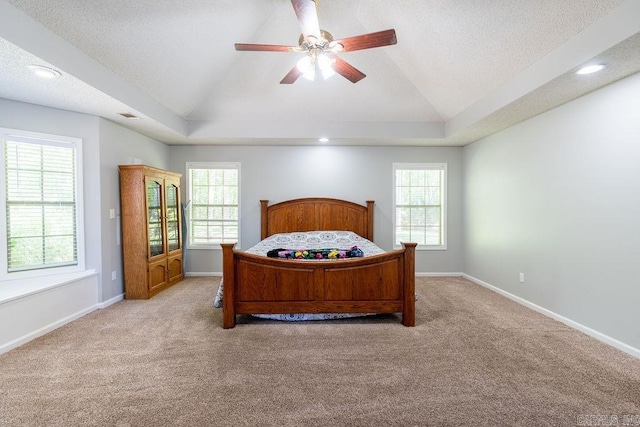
(45, 72)
(315, 62)
(323, 139)
(307, 66)
(590, 69)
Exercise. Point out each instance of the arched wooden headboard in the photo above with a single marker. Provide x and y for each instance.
(317, 213)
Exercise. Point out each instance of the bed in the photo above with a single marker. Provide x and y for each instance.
(375, 283)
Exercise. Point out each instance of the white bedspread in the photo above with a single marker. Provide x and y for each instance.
(309, 240)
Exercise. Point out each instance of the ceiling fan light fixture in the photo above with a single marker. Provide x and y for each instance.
(307, 66)
(325, 66)
(315, 63)
(310, 74)
(335, 47)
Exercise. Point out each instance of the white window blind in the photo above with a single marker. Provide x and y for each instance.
(40, 203)
(420, 204)
(214, 208)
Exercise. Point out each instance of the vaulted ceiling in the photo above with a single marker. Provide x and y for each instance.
(459, 71)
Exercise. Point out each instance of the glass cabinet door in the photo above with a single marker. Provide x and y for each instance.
(173, 223)
(154, 218)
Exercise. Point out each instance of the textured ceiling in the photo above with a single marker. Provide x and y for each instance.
(460, 70)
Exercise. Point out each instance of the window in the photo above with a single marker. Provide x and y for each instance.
(420, 204)
(214, 204)
(41, 204)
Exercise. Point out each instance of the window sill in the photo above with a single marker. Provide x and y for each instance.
(14, 289)
(208, 248)
(426, 248)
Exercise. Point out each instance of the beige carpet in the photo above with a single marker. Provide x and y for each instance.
(474, 359)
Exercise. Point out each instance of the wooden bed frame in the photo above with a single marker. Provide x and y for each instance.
(256, 284)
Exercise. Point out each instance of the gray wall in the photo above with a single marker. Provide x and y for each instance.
(558, 198)
(119, 146)
(352, 173)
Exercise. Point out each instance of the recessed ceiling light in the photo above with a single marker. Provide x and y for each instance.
(129, 116)
(590, 69)
(323, 139)
(45, 72)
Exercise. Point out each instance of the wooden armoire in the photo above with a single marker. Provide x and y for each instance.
(151, 229)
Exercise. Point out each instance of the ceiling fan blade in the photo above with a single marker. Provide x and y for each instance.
(367, 41)
(264, 47)
(347, 70)
(307, 17)
(291, 76)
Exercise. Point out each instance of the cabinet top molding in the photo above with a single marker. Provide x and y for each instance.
(155, 171)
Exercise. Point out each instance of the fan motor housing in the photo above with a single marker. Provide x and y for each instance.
(325, 38)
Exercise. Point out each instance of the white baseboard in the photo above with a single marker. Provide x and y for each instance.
(202, 274)
(439, 274)
(111, 301)
(575, 325)
(45, 330)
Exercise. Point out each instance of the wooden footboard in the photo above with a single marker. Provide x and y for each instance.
(382, 283)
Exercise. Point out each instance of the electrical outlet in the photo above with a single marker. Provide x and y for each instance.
(521, 277)
(113, 275)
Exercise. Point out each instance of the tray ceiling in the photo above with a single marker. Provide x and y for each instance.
(460, 70)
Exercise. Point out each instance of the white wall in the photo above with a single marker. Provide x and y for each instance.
(558, 198)
(352, 173)
(40, 312)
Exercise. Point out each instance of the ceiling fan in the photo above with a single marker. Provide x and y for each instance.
(320, 48)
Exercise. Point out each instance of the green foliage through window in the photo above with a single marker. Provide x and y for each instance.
(214, 193)
(40, 201)
(420, 204)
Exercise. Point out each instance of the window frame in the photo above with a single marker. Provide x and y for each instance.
(43, 139)
(443, 202)
(209, 165)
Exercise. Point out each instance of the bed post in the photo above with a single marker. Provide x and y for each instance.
(264, 219)
(370, 204)
(229, 286)
(409, 291)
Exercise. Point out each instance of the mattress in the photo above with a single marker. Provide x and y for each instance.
(309, 240)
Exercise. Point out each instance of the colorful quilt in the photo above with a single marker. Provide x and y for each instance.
(332, 253)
